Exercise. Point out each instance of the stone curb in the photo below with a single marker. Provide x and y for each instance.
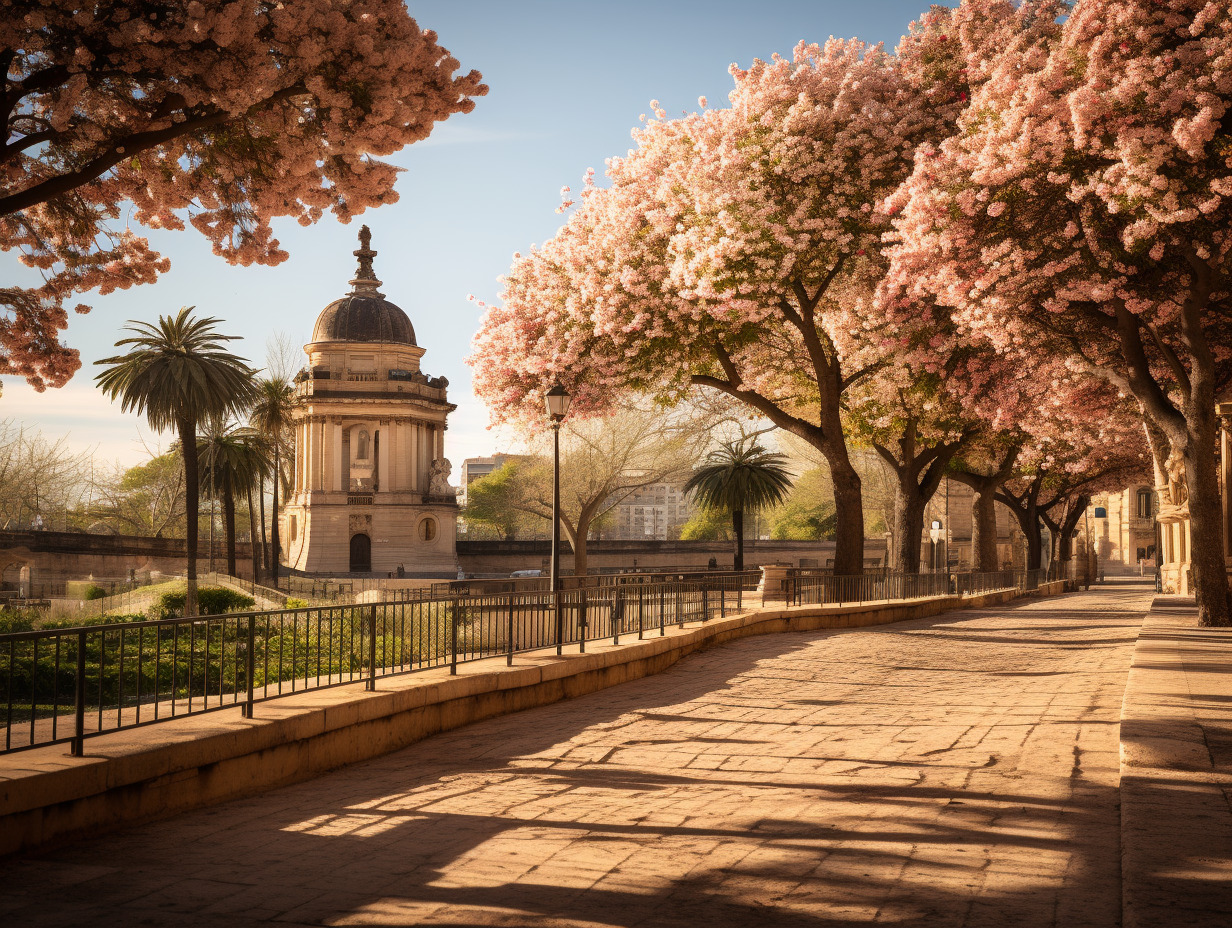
(1176, 773)
(126, 777)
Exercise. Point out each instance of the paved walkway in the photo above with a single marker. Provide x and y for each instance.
(958, 770)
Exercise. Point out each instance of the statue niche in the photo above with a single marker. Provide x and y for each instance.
(362, 464)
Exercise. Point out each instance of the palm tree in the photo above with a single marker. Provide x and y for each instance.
(740, 477)
(177, 373)
(270, 415)
(234, 459)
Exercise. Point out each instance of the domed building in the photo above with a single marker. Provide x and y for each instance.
(371, 491)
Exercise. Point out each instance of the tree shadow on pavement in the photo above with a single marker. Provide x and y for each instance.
(721, 792)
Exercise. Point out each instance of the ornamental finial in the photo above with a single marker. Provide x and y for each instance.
(365, 277)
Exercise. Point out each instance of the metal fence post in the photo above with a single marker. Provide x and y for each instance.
(705, 605)
(250, 663)
(453, 639)
(582, 623)
(509, 649)
(617, 614)
(79, 730)
(371, 684)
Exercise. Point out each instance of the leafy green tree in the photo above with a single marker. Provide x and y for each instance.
(707, 524)
(807, 514)
(234, 459)
(501, 500)
(178, 373)
(271, 415)
(741, 477)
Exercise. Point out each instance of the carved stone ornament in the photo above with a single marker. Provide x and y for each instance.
(1177, 490)
(439, 478)
(359, 524)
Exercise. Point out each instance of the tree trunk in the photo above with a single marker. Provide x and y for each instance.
(578, 541)
(264, 537)
(1035, 541)
(909, 504)
(275, 555)
(1027, 514)
(738, 534)
(849, 518)
(192, 492)
(1069, 525)
(1191, 431)
(1206, 552)
(984, 527)
(228, 513)
(252, 535)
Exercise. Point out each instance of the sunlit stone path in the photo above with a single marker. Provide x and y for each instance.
(959, 770)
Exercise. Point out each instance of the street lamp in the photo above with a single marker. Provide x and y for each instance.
(934, 533)
(557, 402)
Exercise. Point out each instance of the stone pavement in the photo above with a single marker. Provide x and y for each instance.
(1176, 773)
(956, 770)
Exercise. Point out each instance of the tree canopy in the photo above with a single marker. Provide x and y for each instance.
(226, 115)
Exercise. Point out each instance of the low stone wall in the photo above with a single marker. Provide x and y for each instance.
(126, 777)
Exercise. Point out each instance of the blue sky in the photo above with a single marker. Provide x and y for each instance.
(568, 81)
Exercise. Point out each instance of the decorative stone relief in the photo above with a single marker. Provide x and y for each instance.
(439, 478)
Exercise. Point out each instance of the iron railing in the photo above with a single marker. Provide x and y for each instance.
(65, 685)
(807, 586)
(68, 684)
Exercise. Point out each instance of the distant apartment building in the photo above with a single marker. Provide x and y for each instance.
(653, 513)
(474, 468)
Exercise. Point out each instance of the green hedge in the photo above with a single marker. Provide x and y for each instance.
(211, 600)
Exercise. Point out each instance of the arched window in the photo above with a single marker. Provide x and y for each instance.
(361, 451)
(1146, 506)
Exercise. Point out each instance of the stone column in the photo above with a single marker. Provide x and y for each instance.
(385, 475)
(305, 454)
(297, 481)
(335, 434)
(318, 454)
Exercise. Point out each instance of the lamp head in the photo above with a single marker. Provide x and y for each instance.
(557, 402)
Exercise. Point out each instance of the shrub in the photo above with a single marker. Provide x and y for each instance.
(295, 603)
(94, 591)
(211, 600)
(17, 620)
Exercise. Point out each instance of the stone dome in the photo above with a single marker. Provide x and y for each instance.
(364, 315)
(363, 318)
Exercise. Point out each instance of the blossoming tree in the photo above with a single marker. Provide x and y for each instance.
(738, 248)
(1084, 208)
(1092, 440)
(227, 114)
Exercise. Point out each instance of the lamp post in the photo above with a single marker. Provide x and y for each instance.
(557, 402)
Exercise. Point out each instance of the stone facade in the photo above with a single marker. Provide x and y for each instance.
(1124, 533)
(371, 493)
(1129, 530)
